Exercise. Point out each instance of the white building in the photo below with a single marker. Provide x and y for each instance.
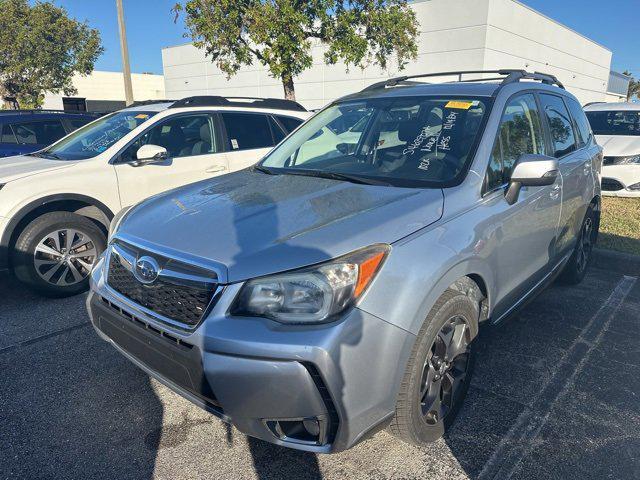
(104, 91)
(454, 35)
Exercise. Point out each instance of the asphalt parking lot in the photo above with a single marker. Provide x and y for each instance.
(556, 394)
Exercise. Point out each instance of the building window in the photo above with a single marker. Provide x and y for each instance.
(70, 104)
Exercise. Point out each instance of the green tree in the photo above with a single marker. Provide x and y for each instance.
(41, 48)
(279, 33)
(634, 86)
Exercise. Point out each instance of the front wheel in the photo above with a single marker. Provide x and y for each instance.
(439, 371)
(55, 253)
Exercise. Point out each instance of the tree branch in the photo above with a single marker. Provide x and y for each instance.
(256, 52)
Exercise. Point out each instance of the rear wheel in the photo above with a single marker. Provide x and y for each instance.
(576, 267)
(439, 371)
(55, 253)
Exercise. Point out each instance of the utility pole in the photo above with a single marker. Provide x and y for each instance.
(126, 69)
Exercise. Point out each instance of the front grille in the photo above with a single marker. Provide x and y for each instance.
(608, 160)
(611, 185)
(180, 293)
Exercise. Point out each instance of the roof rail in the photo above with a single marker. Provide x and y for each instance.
(29, 111)
(506, 75)
(148, 102)
(255, 102)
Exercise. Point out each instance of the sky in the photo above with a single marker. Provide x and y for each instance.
(150, 27)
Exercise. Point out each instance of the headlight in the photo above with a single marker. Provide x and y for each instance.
(311, 295)
(632, 160)
(115, 222)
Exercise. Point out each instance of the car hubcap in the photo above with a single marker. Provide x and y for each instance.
(65, 257)
(445, 370)
(585, 244)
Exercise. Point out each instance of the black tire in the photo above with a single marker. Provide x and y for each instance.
(578, 264)
(410, 423)
(87, 238)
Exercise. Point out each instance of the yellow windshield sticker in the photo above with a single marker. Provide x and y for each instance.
(142, 115)
(459, 104)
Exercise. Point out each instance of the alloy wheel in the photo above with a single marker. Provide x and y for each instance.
(585, 244)
(65, 257)
(445, 370)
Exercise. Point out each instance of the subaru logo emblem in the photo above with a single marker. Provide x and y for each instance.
(147, 270)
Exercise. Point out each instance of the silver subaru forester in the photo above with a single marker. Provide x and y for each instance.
(336, 287)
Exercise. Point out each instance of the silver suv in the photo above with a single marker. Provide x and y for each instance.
(336, 287)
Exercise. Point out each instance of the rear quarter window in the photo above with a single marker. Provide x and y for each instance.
(289, 123)
(580, 119)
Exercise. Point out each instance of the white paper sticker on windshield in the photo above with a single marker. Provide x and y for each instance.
(234, 143)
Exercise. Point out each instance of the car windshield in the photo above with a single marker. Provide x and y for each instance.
(95, 138)
(406, 141)
(622, 122)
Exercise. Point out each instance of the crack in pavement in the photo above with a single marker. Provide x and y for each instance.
(41, 338)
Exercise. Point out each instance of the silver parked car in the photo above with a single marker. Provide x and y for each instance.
(336, 287)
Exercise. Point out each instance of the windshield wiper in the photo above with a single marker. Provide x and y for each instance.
(262, 169)
(46, 155)
(346, 177)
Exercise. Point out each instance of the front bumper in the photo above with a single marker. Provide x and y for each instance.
(254, 373)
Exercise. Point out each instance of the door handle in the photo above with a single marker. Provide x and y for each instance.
(555, 192)
(215, 168)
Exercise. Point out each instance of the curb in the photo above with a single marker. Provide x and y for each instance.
(620, 262)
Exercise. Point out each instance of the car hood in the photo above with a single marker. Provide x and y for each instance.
(19, 166)
(248, 224)
(619, 145)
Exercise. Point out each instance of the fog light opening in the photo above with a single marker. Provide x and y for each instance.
(308, 431)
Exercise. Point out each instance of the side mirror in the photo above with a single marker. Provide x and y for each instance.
(149, 154)
(531, 171)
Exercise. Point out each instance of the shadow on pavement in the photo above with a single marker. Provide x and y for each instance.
(70, 405)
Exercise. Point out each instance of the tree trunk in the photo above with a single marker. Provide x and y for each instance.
(289, 89)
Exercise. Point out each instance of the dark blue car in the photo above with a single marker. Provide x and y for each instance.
(25, 131)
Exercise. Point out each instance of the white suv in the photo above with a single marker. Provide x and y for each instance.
(56, 204)
(617, 128)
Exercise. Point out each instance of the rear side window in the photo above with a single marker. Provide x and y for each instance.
(520, 132)
(42, 132)
(564, 141)
(289, 123)
(6, 134)
(582, 124)
(247, 130)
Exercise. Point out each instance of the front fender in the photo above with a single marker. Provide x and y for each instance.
(419, 270)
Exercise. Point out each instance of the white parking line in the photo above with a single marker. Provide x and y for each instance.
(523, 434)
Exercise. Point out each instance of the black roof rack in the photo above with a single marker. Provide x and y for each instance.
(30, 111)
(148, 102)
(506, 75)
(256, 102)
